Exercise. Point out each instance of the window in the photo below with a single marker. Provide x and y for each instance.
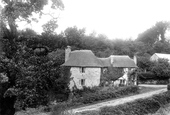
(82, 70)
(82, 82)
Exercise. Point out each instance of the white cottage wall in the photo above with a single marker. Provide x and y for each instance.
(154, 58)
(90, 75)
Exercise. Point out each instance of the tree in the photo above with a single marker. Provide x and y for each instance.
(161, 69)
(13, 61)
(50, 26)
(111, 74)
(162, 27)
(154, 34)
(74, 36)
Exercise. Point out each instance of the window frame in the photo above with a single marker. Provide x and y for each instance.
(82, 82)
(82, 70)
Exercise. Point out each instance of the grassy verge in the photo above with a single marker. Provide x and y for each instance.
(39, 111)
(164, 110)
(140, 91)
(139, 107)
(148, 89)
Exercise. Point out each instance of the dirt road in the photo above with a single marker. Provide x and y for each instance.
(118, 101)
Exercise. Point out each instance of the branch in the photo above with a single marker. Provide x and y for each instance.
(50, 15)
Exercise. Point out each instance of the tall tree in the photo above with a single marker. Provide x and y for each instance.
(154, 34)
(74, 36)
(12, 61)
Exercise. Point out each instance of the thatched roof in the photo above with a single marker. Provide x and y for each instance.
(122, 61)
(105, 62)
(86, 58)
(82, 58)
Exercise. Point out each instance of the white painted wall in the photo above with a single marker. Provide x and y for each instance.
(154, 58)
(124, 77)
(91, 76)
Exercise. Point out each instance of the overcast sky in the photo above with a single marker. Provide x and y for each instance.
(114, 18)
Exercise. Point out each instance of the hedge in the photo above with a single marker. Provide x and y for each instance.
(107, 94)
(110, 93)
(139, 107)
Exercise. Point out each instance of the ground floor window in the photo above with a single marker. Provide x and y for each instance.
(122, 81)
(82, 82)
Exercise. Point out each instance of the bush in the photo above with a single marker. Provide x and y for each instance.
(85, 90)
(110, 93)
(59, 109)
(146, 75)
(138, 107)
(168, 87)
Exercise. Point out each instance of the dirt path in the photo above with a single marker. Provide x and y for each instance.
(118, 101)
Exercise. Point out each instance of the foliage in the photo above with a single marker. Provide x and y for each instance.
(138, 107)
(154, 34)
(111, 74)
(59, 109)
(161, 69)
(42, 75)
(158, 70)
(32, 62)
(146, 75)
(85, 90)
(99, 95)
(168, 87)
(74, 36)
(50, 26)
(144, 63)
(19, 60)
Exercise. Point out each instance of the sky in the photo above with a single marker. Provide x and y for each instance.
(113, 18)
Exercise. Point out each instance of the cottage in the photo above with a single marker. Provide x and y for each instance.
(128, 64)
(157, 56)
(86, 68)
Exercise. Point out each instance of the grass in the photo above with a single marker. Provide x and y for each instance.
(142, 90)
(165, 110)
(148, 89)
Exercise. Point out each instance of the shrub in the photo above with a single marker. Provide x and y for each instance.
(85, 90)
(110, 93)
(138, 107)
(168, 87)
(59, 109)
(146, 75)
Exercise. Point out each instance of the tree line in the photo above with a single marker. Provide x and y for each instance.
(30, 69)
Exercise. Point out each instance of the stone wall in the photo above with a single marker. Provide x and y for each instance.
(90, 75)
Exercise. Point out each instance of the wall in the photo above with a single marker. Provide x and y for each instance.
(125, 77)
(91, 76)
(154, 58)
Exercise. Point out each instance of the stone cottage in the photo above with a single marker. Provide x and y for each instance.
(86, 69)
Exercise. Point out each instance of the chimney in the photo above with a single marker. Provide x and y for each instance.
(135, 59)
(67, 53)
